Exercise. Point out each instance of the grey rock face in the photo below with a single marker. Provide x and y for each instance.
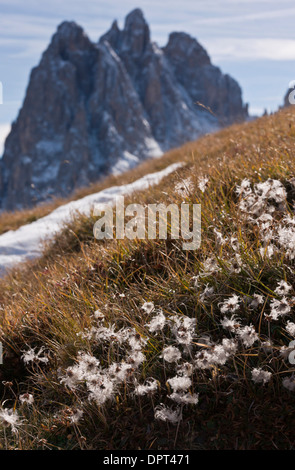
(91, 109)
(171, 112)
(288, 96)
(204, 82)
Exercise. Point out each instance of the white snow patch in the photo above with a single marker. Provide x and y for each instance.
(153, 147)
(125, 163)
(27, 241)
(129, 160)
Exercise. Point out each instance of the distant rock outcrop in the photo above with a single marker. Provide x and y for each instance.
(289, 97)
(91, 109)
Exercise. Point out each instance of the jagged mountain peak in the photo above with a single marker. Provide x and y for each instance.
(68, 28)
(181, 45)
(70, 33)
(112, 36)
(135, 36)
(69, 37)
(135, 20)
(115, 26)
(136, 33)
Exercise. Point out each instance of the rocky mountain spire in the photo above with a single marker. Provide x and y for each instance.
(185, 51)
(136, 34)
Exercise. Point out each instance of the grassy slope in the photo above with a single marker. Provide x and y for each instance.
(50, 301)
(13, 220)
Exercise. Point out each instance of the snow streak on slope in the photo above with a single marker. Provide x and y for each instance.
(27, 241)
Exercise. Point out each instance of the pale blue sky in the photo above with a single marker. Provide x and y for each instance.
(253, 40)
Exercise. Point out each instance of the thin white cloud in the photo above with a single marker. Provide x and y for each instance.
(263, 15)
(252, 49)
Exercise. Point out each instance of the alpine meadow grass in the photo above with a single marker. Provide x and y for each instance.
(139, 344)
